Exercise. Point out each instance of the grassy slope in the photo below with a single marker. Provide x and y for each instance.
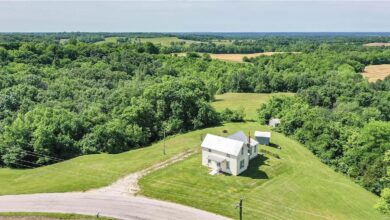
(41, 215)
(290, 187)
(250, 101)
(296, 186)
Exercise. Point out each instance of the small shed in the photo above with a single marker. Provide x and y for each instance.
(263, 137)
(274, 122)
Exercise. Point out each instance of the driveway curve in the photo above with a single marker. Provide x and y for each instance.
(111, 205)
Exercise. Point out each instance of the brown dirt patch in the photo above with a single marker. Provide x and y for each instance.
(239, 57)
(378, 44)
(376, 72)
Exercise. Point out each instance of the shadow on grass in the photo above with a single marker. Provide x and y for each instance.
(253, 170)
(274, 146)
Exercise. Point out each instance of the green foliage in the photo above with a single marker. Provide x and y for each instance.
(233, 115)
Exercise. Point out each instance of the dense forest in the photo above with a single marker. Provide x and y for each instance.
(68, 98)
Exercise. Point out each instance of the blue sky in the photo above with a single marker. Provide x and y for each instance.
(195, 16)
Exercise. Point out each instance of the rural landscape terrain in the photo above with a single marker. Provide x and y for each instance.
(110, 125)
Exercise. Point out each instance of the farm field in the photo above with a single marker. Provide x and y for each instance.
(250, 101)
(108, 40)
(377, 44)
(376, 72)
(46, 216)
(165, 41)
(296, 186)
(235, 57)
(239, 57)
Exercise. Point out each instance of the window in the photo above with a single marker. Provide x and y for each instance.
(254, 149)
(208, 161)
(227, 165)
(242, 151)
(209, 150)
(249, 150)
(242, 164)
(218, 164)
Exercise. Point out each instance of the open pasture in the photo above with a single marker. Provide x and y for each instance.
(376, 72)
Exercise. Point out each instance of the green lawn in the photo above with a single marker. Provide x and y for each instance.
(250, 101)
(296, 186)
(43, 215)
(93, 171)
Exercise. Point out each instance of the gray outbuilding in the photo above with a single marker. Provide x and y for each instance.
(274, 122)
(263, 137)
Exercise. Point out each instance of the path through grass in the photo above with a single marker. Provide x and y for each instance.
(296, 186)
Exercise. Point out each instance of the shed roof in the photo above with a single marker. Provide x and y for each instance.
(263, 134)
(240, 136)
(222, 144)
(274, 121)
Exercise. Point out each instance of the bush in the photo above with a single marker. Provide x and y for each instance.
(233, 115)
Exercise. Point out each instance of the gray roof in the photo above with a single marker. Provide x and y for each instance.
(240, 136)
(263, 134)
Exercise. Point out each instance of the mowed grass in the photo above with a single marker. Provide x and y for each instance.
(44, 216)
(249, 101)
(239, 57)
(296, 186)
(94, 171)
(376, 72)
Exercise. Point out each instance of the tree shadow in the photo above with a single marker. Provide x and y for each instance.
(274, 145)
(254, 166)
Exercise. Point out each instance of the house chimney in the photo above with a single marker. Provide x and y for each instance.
(249, 139)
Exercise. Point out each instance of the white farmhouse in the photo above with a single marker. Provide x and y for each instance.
(228, 154)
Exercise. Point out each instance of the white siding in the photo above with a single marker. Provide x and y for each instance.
(234, 166)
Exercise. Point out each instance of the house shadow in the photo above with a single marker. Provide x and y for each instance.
(253, 171)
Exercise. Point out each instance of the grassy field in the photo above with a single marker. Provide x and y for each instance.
(250, 101)
(166, 41)
(93, 171)
(376, 72)
(108, 40)
(296, 186)
(47, 216)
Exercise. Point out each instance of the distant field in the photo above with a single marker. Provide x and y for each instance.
(250, 101)
(108, 40)
(376, 72)
(166, 41)
(239, 57)
(377, 44)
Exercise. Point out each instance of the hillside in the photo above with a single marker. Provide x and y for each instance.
(296, 186)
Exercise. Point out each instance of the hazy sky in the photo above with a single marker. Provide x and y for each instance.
(194, 16)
